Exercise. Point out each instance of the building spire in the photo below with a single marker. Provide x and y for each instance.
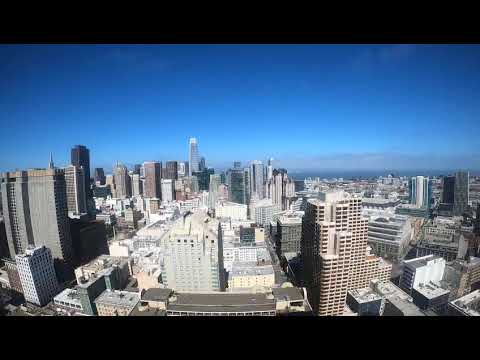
(50, 164)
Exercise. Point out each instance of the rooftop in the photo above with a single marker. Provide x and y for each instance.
(222, 302)
(288, 293)
(421, 261)
(364, 295)
(118, 298)
(431, 290)
(469, 304)
(155, 294)
(290, 220)
(69, 296)
(250, 269)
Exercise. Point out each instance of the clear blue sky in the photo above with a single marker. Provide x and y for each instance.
(309, 106)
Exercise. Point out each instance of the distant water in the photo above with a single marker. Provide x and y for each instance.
(368, 174)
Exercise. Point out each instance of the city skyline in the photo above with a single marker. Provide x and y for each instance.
(310, 107)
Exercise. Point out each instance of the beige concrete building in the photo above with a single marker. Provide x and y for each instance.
(335, 251)
(116, 303)
(248, 275)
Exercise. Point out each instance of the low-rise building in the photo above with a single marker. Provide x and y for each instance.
(422, 270)
(234, 211)
(116, 303)
(250, 275)
(116, 270)
(68, 302)
(468, 305)
(431, 296)
(365, 302)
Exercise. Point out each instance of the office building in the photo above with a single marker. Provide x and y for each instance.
(80, 157)
(37, 275)
(420, 188)
(269, 169)
(75, 184)
(448, 190)
(431, 296)
(13, 276)
(122, 182)
(115, 270)
(213, 186)
(183, 169)
(4, 250)
(116, 303)
(257, 180)
(171, 170)
(89, 239)
(137, 185)
(334, 251)
(264, 212)
(250, 275)
(153, 174)
(365, 302)
(468, 305)
(202, 165)
(247, 185)
(420, 271)
(99, 176)
(234, 211)
(68, 302)
(194, 256)
(137, 168)
(35, 208)
(279, 188)
(461, 193)
(203, 178)
(389, 235)
(168, 191)
(193, 156)
(236, 185)
(289, 234)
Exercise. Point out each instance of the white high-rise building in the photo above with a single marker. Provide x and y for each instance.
(168, 190)
(264, 211)
(137, 185)
(280, 187)
(270, 169)
(75, 183)
(421, 271)
(194, 254)
(257, 180)
(234, 211)
(213, 190)
(193, 156)
(37, 275)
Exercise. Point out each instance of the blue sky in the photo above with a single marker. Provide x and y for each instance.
(308, 106)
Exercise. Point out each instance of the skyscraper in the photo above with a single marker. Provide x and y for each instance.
(420, 191)
(257, 179)
(461, 193)
(136, 168)
(448, 189)
(202, 166)
(270, 169)
(193, 156)
(203, 178)
(153, 171)
(35, 208)
(99, 176)
(236, 185)
(75, 185)
(122, 181)
(81, 157)
(334, 251)
(246, 185)
(137, 185)
(171, 170)
(280, 187)
(213, 190)
(168, 190)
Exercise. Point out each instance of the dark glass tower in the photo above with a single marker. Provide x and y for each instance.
(448, 189)
(99, 176)
(461, 195)
(81, 157)
(171, 170)
(236, 185)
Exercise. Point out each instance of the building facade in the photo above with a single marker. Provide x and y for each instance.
(37, 275)
(461, 193)
(80, 156)
(335, 253)
(122, 182)
(153, 175)
(171, 170)
(193, 156)
(76, 195)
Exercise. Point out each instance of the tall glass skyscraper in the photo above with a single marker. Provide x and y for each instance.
(193, 156)
(257, 179)
(420, 191)
(236, 185)
(448, 189)
(461, 193)
(81, 157)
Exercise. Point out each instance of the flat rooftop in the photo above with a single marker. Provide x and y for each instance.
(222, 302)
(290, 220)
(288, 293)
(364, 295)
(118, 298)
(157, 294)
(469, 304)
(251, 269)
(69, 296)
(431, 290)
(421, 261)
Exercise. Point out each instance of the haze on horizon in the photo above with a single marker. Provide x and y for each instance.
(310, 107)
